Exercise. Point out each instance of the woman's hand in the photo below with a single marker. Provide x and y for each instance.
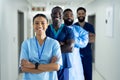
(26, 64)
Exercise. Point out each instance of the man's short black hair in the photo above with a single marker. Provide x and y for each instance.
(68, 9)
(57, 7)
(81, 8)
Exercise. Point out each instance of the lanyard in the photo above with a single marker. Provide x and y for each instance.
(40, 52)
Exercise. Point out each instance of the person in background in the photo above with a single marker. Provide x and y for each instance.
(65, 36)
(81, 40)
(86, 53)
(38, 61)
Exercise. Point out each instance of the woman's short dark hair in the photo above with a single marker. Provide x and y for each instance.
(40, 15)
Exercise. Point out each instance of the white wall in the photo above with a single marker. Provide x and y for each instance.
(0, 32)
(9, 37)
(107, 52)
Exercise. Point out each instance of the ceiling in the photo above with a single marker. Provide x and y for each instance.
(47, 3)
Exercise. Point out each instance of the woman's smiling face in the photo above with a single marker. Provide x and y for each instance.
(40, 25)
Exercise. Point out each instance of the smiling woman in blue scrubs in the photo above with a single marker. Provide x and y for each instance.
(40, 55)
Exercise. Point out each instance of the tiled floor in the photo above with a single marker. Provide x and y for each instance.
(96, 75)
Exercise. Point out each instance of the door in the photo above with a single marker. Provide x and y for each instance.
(20, 32)
(91, 20)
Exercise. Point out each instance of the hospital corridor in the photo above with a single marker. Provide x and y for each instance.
(16, 25)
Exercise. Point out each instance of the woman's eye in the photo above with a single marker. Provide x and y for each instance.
(36, 23)
(43, 23)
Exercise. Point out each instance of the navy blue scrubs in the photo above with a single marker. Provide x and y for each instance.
(64, 33)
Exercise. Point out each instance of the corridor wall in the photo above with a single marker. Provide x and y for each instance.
(107, 52)
(9, 37)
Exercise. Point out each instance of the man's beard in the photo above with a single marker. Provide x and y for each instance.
(57, 22)
(68, 22)
(81, 20)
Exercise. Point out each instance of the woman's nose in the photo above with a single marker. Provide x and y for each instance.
(40, 25)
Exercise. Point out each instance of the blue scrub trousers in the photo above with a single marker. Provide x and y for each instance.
(87, 67)
(63, 73)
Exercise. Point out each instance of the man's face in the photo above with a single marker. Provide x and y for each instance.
(68, 18)
(57, 15)
(81, 15)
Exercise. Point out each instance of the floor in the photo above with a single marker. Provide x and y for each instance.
(96, 75)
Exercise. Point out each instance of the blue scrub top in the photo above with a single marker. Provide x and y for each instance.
(81, 41)
(81, 36)
(87, 50)
(64, 33)
(29, 51)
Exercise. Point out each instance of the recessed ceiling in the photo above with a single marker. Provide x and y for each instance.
(47, 3)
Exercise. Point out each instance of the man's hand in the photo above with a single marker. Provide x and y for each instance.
(61, 43)
(91, 37)
(54, 59)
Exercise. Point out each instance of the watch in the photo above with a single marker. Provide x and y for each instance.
(36, 65)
